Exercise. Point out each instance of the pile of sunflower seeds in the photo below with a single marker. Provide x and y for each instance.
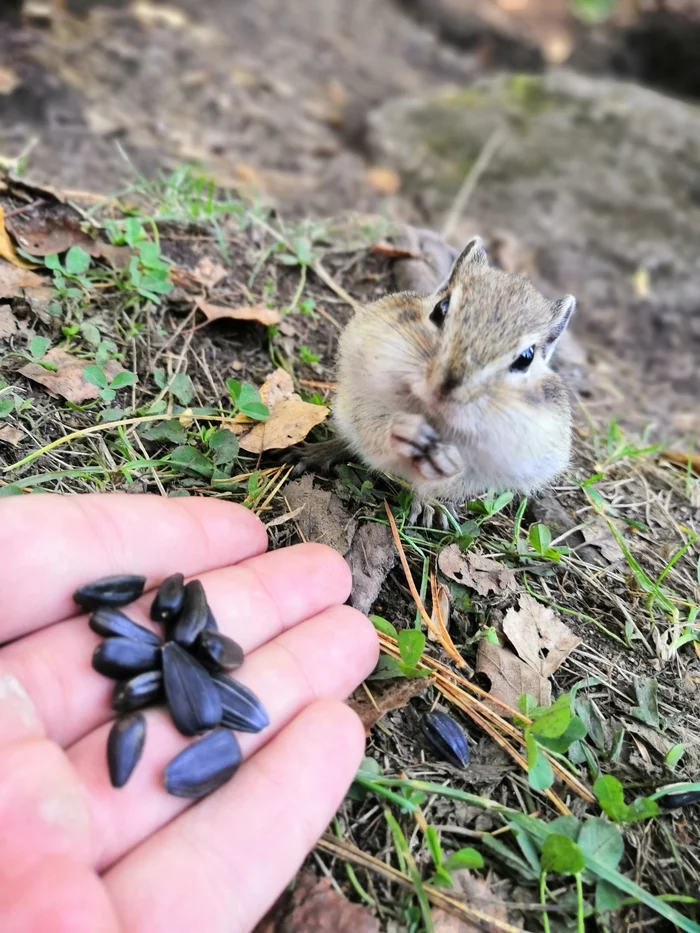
(186, 669)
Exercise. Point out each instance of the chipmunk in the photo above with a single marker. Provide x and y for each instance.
(453, 391)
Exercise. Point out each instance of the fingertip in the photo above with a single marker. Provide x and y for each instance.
(334, 564)
(225, 520)
(337, 727)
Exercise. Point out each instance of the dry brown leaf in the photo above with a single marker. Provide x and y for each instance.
(277, 386)
(383, 180)
(394, 694)
(476, 894)
(480, 573)
(9, 80)
(289, 423)
(315, 907)
(540, 638)
(7, 247)
(391, 251)
(371, 558)
(682, 459)
(598, 535)
(10, 435)
(259, 313)
(510, 677)
(208, 272)
(68, 381)
(53, 230)
(324, 518)
(8, 324)
(13, 279)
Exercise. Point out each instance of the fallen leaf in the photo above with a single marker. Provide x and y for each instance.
(392, 695)
(14, 278)
(68, 381)
(314, 906)
(8, 324)
(325, 518)
(371, 557)
(480, 573)
(10, 435)
(540, 638)
(209, 273)
(476, 894)
(52, 230)
(682, 459)
(9, 80)
(383, 180)
(391, 251)
(7, 247)
(598, 535)
(39, 300)
(277, 386)
(150, 14)
(510, 677)
(289, 423)
(259, 313)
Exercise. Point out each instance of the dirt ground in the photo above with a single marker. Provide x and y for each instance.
(271, 98)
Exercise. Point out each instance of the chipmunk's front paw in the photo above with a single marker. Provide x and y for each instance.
(412, 438)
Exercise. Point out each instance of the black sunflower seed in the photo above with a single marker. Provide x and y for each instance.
(110, 591)
(192, 698)
(211, 625)
(123, 658)
(193, 616)
(680, 799)
(204, 765)
(114, 624)
(217, 652)
(242, 710)
(124, 747)
(447, 738)
(169, 598)
(138, 691)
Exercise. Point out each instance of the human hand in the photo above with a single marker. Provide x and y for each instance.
(78, 856)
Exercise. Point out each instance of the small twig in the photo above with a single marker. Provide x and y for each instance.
(351, 853)
(470, 182)
(446, 644)
(25, 208)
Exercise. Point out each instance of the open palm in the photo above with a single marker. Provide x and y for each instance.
(78, 856)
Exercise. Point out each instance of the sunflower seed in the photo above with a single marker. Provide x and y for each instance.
(192, 698)
(193, 617)
(211, 625)
(114, 624)
(217, 652)
(122, 658)
(204, 765)
(169, 598)
(110, 591)
(242, 710)
(680, 799)
(124, 747)
(139, 691)
(447, 738)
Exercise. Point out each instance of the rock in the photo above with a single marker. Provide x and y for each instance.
(598, 177)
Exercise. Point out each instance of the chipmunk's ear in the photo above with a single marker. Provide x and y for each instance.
(472, 258)
(562, 309)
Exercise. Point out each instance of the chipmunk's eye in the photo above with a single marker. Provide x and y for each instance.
(439, 312)
(523, 361)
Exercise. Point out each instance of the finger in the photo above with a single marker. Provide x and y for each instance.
(47, 881)
(253, 602)
(58, 895)
(323, 657)
(235, 851)
(51, 545)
